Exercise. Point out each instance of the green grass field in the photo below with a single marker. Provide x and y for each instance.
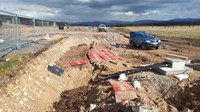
(177, 31)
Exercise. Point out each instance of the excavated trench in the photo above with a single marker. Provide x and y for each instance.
(35, 88)
(39, 90)
(167, 93)
(80, 98)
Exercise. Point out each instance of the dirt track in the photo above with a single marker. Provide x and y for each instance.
(166, 92)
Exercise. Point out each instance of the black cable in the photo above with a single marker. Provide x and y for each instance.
(7, 53)
(137, 70)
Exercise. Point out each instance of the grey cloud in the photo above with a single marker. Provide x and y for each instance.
(92, 10)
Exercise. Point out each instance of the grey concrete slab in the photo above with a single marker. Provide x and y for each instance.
(168, 71)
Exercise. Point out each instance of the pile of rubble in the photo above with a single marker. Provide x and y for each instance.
(133, 89)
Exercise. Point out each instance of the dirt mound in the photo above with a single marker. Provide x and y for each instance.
(80, 99)
(188, 97)
(142, 58)
(102, 95)
(71, 100)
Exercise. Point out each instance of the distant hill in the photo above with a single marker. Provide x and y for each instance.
(184, 21)
(145, 21)
(112, 23)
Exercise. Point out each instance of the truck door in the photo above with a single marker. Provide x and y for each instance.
(138, 40)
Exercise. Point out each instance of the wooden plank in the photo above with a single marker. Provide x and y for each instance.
(177, 56)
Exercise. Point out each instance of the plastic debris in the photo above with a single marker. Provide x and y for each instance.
(182, 76)
(146, 108)
(85, 38)
(92, 107)
(55, 70)
(124, 46)
(1, 40)
(136, 84)
(186, 110)
(47, 37)
(124, 102)
(4, 59)
(140, 78)
(122, 77)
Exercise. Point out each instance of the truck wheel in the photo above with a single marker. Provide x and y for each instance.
(156, 47)
(131, 44)
(143, 47)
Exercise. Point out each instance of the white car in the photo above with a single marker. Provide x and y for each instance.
(102, 27)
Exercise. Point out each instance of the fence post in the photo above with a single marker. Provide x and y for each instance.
(14, 26)
(1, 27)
(33, 29)
(48, 27)
(42, 28)
(19, 27)
(17, 32)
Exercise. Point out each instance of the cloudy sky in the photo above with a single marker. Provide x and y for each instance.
(103, 10)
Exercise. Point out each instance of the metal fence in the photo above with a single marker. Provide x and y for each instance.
(17, 31)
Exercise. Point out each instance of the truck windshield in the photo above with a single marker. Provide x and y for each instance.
(102, 25)
(148, 36)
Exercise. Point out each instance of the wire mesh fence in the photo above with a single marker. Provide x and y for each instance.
(7, 30)
(17, 31)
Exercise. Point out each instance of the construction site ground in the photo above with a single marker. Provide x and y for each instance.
(31, 87)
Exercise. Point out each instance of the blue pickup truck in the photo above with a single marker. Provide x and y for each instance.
(144, 40)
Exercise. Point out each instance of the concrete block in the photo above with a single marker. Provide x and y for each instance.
(188, 62)
(176, 63)
(167, 70)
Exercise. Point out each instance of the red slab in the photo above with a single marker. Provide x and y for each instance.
(110, 55)
(93, 56)
(123, 91)
(77, 62)
(121, 86)
(97, 55)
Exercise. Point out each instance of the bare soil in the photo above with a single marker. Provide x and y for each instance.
(186, 97)
(187, 41)
(161, 90)
(80, 99)
(94, 93)
(75, 53)
(166, 93)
